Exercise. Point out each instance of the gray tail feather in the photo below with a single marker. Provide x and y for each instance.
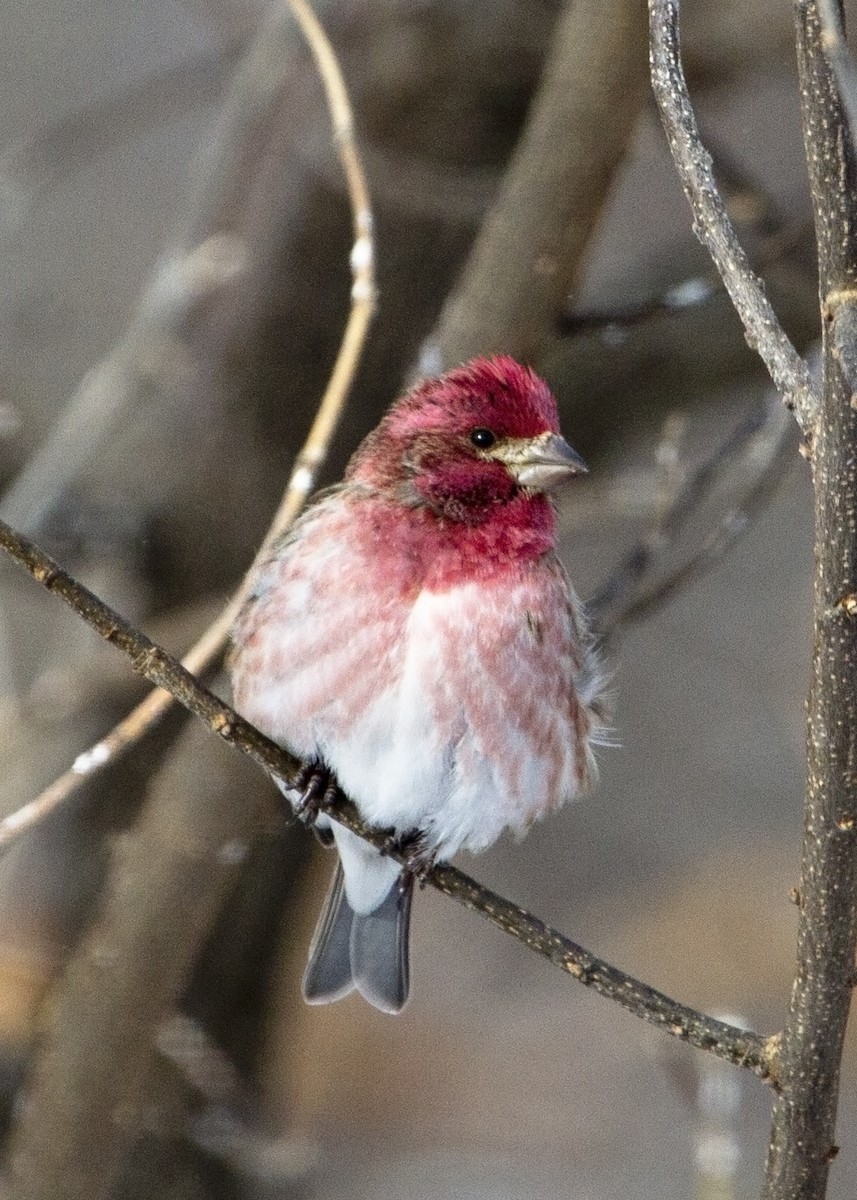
(380, 949)
(328, 973)
(367, 951)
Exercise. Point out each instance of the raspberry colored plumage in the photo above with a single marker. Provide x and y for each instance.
(415, 634)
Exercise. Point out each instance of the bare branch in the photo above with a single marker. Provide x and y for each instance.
(713, 227)
(741, 473)
(527, 256)
(689, 293)
(306, 466)
(803, 1129)
(838, 55)
(739, 1046)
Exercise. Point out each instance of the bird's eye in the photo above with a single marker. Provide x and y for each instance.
(482, 438)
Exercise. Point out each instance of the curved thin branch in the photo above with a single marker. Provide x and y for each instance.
(713, 227)
(306, 466)
(740, 1046)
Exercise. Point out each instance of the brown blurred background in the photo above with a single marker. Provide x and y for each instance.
(503, 1078)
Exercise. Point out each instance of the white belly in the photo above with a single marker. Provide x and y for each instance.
(469, 735)
(455, 714)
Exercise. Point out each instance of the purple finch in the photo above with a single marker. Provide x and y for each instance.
(415, 638)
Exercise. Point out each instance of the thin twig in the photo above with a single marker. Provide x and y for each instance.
(713, 227)
(689, 293)
(755, 454)
(740, 1046)
(306, 466)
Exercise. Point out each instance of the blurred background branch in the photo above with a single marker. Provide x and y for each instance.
(309, 460)
(527, 257)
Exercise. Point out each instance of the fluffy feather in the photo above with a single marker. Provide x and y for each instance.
(415, 633)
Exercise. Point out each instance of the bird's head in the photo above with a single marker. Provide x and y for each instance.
(470, 440)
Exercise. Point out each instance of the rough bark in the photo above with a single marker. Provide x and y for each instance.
(803, 1131)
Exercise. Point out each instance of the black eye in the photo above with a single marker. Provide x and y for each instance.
(483, 438)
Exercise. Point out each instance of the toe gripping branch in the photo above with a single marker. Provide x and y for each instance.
(317, 788)
(418, 858)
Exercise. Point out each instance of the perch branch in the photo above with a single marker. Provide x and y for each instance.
(307, 463)
(713, 227)
(740, 1046)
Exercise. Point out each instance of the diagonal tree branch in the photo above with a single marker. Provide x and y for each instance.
(741, 473)
(713, 227)
(739, 1046)
(527, 256)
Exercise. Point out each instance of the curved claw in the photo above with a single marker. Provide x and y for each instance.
(420, 858)
(318, 787)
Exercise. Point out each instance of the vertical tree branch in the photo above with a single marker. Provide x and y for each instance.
(88, 1095)
(802, 1138)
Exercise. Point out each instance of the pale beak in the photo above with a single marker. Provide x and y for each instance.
(541, 464)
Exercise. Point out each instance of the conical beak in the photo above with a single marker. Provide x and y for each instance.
(546, 463)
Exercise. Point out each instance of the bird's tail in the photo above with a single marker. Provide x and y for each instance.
(366, 951)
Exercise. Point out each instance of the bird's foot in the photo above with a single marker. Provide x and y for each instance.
(392, 844)
(419, 857)
(317, 788)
